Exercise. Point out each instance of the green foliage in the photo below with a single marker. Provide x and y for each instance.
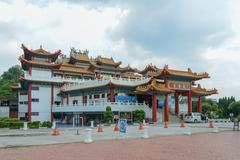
(12, 74)
(210, 108)
(8, 79)
(138, 116)
(234, 107)
(5, 88)
(47, 124)
(224, 103)
(238, 117)
(12, 123)
(15, 125)
(34, 125)
(108, 115)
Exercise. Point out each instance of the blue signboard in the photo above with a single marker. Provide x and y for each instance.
(123, 123)
(122, 98)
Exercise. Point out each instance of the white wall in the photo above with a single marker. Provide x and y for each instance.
(41, 72)
(43, 107)
(4, 112)
(22, 108)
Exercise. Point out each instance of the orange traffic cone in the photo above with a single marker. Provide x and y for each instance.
(100, 129)
(56, 132)
(210, 124)
(182, 124)
(166, 124)
(140, 126)
(116, 128)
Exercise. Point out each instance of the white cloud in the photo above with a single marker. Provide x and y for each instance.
(210, 38)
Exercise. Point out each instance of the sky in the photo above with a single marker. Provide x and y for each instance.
(203, 35)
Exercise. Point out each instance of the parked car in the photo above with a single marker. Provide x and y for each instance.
(195, 117)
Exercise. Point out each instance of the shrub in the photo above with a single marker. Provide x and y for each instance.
(47, 124)
(3, 124)
(12, 123)
(138, 115)
(15, 125)
(108, 115)
(34, 125)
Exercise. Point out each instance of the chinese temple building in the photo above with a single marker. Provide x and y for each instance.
(58, 87)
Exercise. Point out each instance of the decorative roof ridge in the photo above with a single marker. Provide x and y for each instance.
(41, 51)
(22, 59)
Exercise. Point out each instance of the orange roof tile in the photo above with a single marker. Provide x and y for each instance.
(40, 51)
(76, 70)
(168, 72)
(128, 68)
(154, 85)
(95, 65)
(38, 63)
(202, 91)
(108, 61)
(80, 57)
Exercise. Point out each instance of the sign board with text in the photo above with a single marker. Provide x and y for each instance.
(179, 85)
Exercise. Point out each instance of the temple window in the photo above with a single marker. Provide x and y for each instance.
(75, 102)
(35, 99)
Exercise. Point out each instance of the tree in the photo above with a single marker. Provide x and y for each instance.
(13, 73)
(210, 108)
(224, 103)
(234, 107)
(108, 115)
(8, 79)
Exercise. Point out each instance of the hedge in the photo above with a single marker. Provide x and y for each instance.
(34, 125)
(47, 124)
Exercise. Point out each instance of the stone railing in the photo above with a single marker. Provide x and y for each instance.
(101, 107)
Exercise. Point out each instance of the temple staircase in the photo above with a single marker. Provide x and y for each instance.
(172, 118)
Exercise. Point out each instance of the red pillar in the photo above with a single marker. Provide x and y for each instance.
(67, 99)
(189, 102)
(111, 88)
(30, 102)
(176, 103)
(166, 108)
(52, 100)
(200, 104)
(30, 70)
(154, 107)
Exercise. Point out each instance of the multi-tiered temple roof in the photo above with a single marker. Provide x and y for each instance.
(79, 64)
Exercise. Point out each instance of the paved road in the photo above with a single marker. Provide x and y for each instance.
(207, 146)
(14, 138)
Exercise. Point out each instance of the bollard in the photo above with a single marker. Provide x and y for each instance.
(215, 129)
(53, 124)
(144, 122)
(92, 124)
(165, 124)
(182, 124)
(100, 129)
(145, 132)
(116, 128)
(140, 126)
(210, 124)
(188, 130)
(88, 136)
(25, 126)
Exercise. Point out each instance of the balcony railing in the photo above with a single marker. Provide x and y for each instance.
(81, 83)
(101, 107)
